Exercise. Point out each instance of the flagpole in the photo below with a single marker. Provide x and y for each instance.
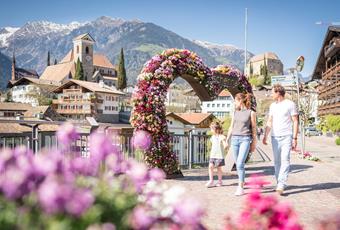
(245, 41)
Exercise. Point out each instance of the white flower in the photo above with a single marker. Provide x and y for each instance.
(173, 194)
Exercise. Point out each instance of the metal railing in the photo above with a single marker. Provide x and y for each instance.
(191, 150)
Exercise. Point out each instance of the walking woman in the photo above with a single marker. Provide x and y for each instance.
(242, 133)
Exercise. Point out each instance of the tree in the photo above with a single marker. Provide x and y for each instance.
(55, 61)
(48, 58)
(264, 72)
(79, 71)
(251, 70)
(121, 72)
(9, 96)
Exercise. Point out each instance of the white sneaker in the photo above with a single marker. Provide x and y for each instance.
(239, 191)
(280, 189)
(209, 184)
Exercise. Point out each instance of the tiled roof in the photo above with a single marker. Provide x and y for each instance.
(34, 110)
(194, 118)
(260, 57)
(224, 93)
(20, 73)
(58, 72)
(92, 86)
(13, 128)
(102, 61)
(11, 106)
(34, 81)
(177, 117)
(68, 57)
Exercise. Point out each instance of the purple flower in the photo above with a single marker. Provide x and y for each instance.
(142, 139)
(189, 212)
(156, 174)
(100, 146)
(12, 181)
(138, 172)
(80, 202)
(67, 133)
(141, 219)
(84, 166)
(49, 195)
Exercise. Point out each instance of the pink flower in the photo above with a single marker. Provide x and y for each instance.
(156, 174)
(189, 212)
(141, 219)
(67, 133)
(256, 181)
(100, 146)
(142, 139)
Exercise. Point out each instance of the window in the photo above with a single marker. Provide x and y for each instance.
(218, 105)
(228, 105)
(87, 50)
(208, 105)
(213, 105)
(223, 105)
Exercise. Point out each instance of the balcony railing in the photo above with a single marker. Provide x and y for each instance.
(331, 71)
(74, 111)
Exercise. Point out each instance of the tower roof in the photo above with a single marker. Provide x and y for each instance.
(85, 36)
(267, 55)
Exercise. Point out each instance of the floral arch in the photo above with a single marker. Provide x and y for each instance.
(150, 93)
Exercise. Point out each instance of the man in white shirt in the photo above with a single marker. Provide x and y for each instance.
(283, 123)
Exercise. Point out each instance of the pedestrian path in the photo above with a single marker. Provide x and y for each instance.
(314, 190)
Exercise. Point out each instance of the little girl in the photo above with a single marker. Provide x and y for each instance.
(218, 143)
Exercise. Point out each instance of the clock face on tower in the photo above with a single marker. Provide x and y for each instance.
(88, 58)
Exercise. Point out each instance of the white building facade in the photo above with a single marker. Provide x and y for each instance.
(221, 107)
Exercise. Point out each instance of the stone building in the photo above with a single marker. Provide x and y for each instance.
(96, 67)
(269, 60)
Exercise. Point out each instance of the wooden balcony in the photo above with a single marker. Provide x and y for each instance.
(74, 111)
(72, 101)
(78, 91)
(330, 91)
(329, 109)
(330, 74)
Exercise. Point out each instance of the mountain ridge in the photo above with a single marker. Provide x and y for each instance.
(140, 40)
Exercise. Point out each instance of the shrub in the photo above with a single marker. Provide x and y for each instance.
(337, 141)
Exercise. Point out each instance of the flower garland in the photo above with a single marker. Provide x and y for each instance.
(150, 94)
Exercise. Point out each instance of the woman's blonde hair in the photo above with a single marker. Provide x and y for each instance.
(217, 127)
(245, 99)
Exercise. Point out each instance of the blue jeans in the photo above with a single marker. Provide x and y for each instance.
(281, 150)
(240, 147)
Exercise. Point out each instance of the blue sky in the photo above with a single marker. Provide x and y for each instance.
(285, 27)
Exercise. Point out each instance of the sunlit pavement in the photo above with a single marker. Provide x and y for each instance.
(314, 187)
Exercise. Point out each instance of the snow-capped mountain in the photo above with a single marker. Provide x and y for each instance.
(225, 53)
(5, 33)
(140, 41)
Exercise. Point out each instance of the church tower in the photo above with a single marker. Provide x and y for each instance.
(83, 49)
(13, 78)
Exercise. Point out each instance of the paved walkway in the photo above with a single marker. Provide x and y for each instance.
(314, 190)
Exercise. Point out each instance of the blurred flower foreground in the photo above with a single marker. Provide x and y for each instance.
(59, 189)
